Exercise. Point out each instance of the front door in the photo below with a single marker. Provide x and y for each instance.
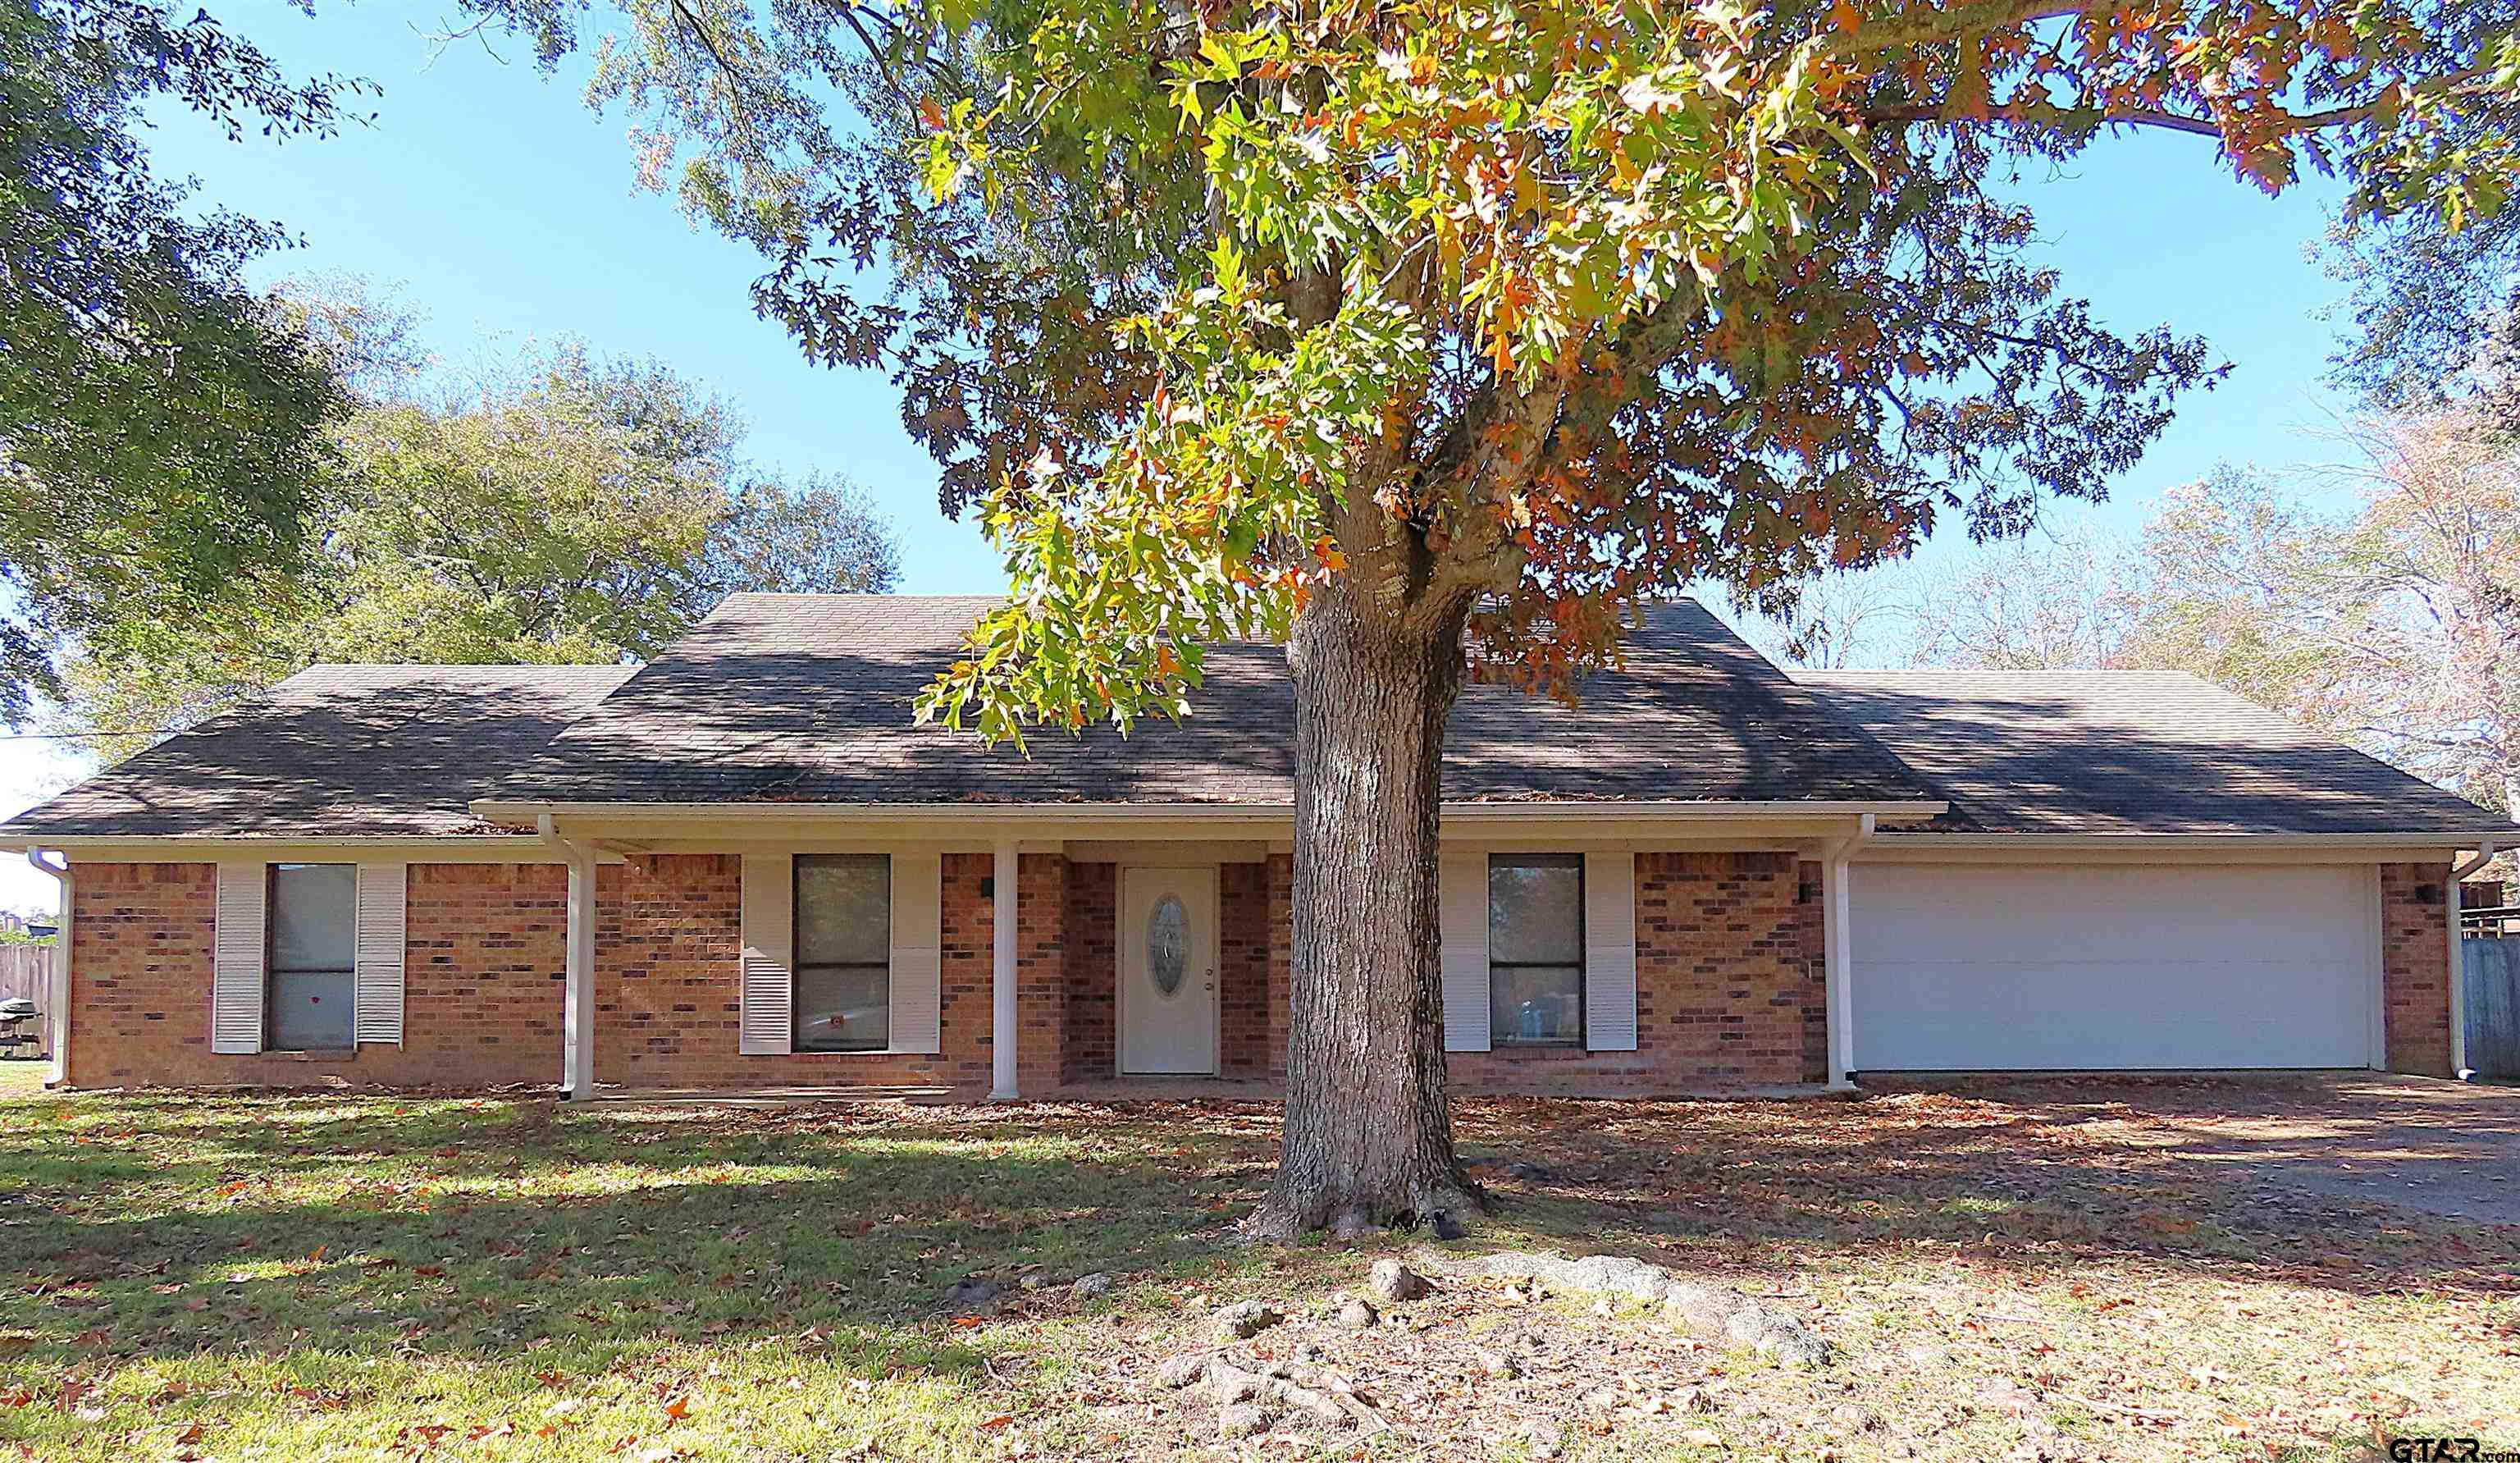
(1167, 940)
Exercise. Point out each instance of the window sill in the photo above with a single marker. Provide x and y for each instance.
(1566, 1044)
(879, 1051)
(324, 1054)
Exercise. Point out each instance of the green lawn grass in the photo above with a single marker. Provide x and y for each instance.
(355, 1276)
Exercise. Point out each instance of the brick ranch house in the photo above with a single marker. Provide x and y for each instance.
(740, 866)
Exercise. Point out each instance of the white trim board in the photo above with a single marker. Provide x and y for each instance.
(2081, 849)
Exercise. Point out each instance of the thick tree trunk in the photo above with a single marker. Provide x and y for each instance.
(1369, 1134)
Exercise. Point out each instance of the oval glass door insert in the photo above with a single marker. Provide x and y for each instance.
(1168, 944)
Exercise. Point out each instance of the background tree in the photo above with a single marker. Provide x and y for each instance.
(2394, 626)
(2236, 580)
(1841, 618)
(571, 510)
(160, 425)
(2036, 603)
(2425, 279)
(1387, 328)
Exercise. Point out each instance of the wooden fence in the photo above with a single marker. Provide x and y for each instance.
(2490, 967)
(27, 971)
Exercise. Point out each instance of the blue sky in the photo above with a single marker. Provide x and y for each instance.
(486, 198)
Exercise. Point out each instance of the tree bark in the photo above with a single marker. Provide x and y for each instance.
(1368, 1132)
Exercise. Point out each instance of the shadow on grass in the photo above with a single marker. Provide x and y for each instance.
(2029, 1187)
(509, 1234)
(167, 1225)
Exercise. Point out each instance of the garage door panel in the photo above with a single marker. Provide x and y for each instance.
(2107, 913)
(1972, 967)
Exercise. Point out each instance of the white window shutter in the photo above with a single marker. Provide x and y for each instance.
(917, 952)
(1461, 880)
(235, 959)
(767, 1025)
(1610, 952)
(383, 922)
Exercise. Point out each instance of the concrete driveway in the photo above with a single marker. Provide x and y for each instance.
(2444, 1148)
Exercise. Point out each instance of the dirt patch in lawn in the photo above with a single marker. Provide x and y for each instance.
(2030, 1273)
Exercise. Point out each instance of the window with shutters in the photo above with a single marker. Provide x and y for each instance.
(310, 957)
(1536, 949)
(843, 952)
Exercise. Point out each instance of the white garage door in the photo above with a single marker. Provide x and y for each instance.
(1961, 967)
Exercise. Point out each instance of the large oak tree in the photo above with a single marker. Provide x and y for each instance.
(564, 508)
(1432, 333)
(161, 425)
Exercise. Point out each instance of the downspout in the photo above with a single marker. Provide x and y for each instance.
(2458, 1066)
(1837, 947)
(577, 990)
(57, 999)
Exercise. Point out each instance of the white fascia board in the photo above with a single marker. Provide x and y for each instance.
(453, 847)
(2178, 848)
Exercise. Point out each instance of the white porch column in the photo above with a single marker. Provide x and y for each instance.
(577, 993)
(1002, 1018)
(1841, 1007)
(1837, 953)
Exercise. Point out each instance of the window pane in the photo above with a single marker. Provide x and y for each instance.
(314, 916)
(1536, 908)
(1536, 1003)
(1168, 944)
(843, 909)
(310, 1002)
(311, 1011)
(843, 1008)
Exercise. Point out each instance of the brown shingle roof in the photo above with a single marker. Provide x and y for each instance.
(809, 698)
(333, 752)
(2128, 752)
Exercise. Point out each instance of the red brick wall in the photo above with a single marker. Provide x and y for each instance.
(669, 942)
(1091, 1007)
(1041, 977)
(2414, 966)
(1811, 913)
(1721, 988)
(483, 964)
(1242, 969)
(1092, 1017)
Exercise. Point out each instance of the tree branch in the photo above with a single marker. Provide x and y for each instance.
(2014, 112)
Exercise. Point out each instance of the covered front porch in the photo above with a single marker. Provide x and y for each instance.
(1110, 953)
